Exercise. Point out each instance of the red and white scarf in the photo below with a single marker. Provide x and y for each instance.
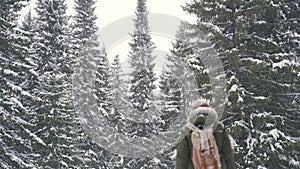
(205, 150)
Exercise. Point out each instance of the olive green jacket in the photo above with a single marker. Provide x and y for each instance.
(184, 150)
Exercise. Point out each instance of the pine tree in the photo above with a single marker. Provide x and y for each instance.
(252, 43)
(170, 98)
(141, 61)
(56, 123)
(102, 84)
(26, 38)
(85, 40)
(84, 26)
(89, 79)
(16, 135)
(185, 48)
(119, 89)
(86, 51)
(177, 83)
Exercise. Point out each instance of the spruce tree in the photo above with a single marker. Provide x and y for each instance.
(224, 29)
(119, 89)
(86, 52)
(89, 80)
(272, 67)
(170, 98)
(141, 61)
(16, 135)
(188, 41)
(90, 62)
(277, 51)
(252, 41)
(56, 123)
(102, 83)
(291, 22)
(26, 38)
(178, 87)
(84, 27)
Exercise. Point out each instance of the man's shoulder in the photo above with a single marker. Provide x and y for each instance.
(219, 127)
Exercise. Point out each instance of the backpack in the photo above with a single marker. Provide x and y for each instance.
(205, 150)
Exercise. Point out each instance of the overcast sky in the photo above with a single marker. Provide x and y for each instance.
(110, 11)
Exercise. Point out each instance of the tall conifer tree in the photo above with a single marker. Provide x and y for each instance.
(56, 124)
(141, 61)
(90, 78)
(16, 134)
(119, 88)
(252, 38)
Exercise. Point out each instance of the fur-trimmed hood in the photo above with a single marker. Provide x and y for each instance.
(203, 116)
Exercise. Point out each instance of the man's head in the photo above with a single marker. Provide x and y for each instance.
(202, 114)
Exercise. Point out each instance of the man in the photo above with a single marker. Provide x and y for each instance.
(203, 116)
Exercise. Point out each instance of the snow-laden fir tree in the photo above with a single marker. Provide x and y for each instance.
(141, 61)
(170, 98)
(86, 103)
(188, 40)
(177, 82)
(26, 37)
(192, 61)
(119, 89)
(269, 73)
(291, 23)
(223, 31)
(89, 55)
(84, 27)
(252, 39)
(86, 50)
(102, 83)
(89, 78)
(16, 134)
(274, 47)
(56, 123)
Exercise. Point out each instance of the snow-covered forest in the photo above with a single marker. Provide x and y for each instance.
(64, 105)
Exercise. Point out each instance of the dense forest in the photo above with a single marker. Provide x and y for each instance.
(64, 105)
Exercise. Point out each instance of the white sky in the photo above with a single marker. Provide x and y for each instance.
(109, 11)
